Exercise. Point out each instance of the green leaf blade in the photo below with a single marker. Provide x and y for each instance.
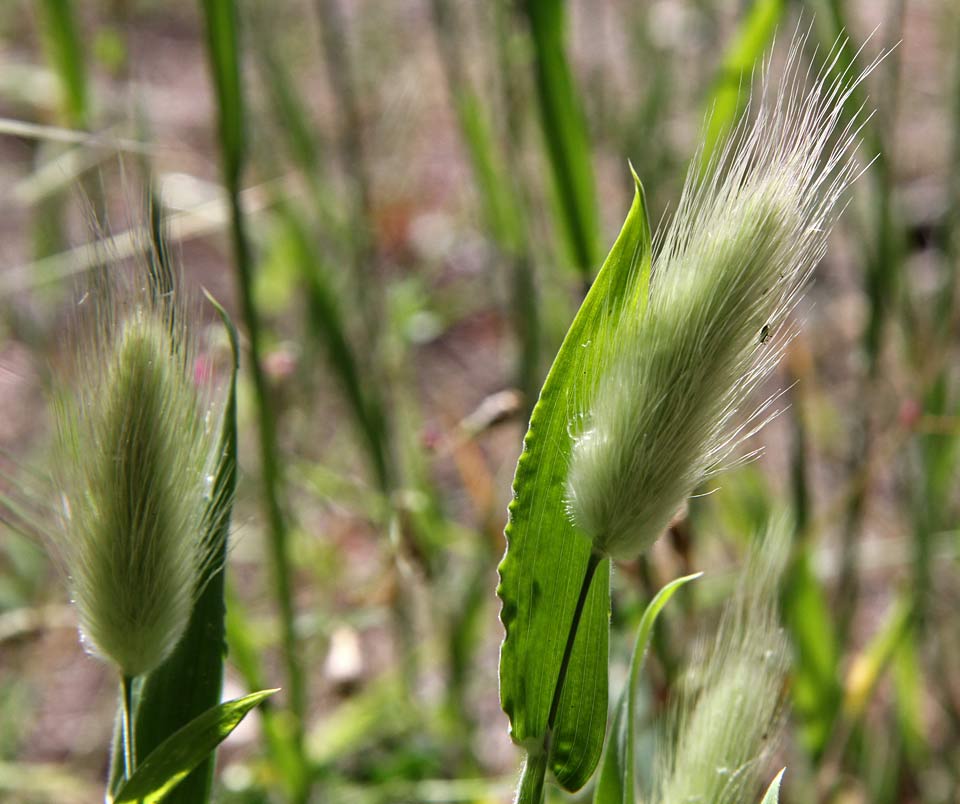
(728, 98)
(546, 559)
(63, 41)
(179, 754)
(223, 48)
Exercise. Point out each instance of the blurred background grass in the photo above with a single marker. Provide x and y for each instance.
(401, 204)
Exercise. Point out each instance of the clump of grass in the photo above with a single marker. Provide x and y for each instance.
(662, 408)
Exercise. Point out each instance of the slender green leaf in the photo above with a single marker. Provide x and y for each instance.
(501, 198)
(544, 568)
(616, 783)
(816, 688)
(224, 54)
(730, 92)
(565, 134)
(909, 683)
(772, 796)
(66, 54)
(867, 667)
(175, 757)
(327, 324)
(221, 19)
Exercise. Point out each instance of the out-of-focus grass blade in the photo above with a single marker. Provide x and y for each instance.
(502, 201)
(166, 767)
(502, 209)
(302, 139)
(772, 796)
(867, 667)
(295, 126)
(933, 482)
(730, 92)
(885, 239)
(565, 134)
(244, 656)
(545, 564)
(816, 688)
(65, 52)
(190, 681)
(616, 783)
(908, 683)
(223, 49)
(326, 322)
(882, 246)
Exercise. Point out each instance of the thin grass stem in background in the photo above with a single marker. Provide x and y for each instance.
(882, 265)
(728, 99)
(223, 45)
(350, 140)
(66, 53)
(565, 135)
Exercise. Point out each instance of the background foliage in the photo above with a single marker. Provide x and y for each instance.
(401, 205)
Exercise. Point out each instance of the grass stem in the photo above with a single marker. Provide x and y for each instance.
(129, 738)
(223, 44)
(592, 564)
(530, 789)
(272, 478)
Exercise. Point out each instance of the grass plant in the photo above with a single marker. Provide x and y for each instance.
(652, 405)
(404, 190)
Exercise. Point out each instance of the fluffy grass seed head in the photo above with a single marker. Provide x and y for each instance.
(664, 406)
(135, 460)
(729, 714)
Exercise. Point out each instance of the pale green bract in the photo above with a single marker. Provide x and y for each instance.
(136, 456)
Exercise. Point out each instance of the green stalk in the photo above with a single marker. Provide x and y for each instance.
(129, 738)
(129, 728)
(882, 283)
(565, 134)
(66, 54)
(353, 156)
(530, 790)
(223, 46)
(272, 475)
(500, 196)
